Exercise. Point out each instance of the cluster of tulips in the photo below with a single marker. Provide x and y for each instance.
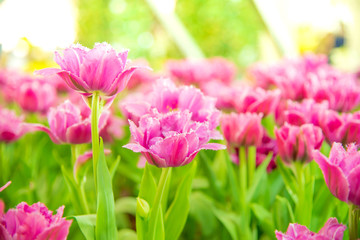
(284, 160)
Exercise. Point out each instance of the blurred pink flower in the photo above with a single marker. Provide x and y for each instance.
(308, 111)
(170, 139)
(166, 97)
(339, 89)
(223, 93)
(256, 100)
(201, 71)
(243, 129)
(297, 143)
(341, 172)
(343, 128)
(13, 127)
(332, 230)
(68, 126)
(88, 70)
(141, 76)
(33, 222)
(36, 96)
(113, 129)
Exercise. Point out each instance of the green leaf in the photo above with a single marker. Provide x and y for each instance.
(232, 181)
(260, 171)
(127, 234)
(201, 209)
(269, 124)
(215, 185)
(282, 213)
(289, 179)
(126, 205)
(228, 222)
(177, 213)
(105, 221)
(147, 192)
(264, 218)
(87, 225)
(114, 167)
(73, 189)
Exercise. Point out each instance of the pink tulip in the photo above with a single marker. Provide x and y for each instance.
(13, 127)
(341, 172)
(332, 230)
(36, 96)
(297, 143)
(308, 111)
(343, 128)
(199, 72)
(99, 69)
(166, 97)
(141, 76)
(33, 222)
(256, 100)
(223, 93)
(170, 139)
(68, 126)
(242, 129)
(339, 89)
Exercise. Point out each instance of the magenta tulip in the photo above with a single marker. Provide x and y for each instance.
(170, 139)
(166, 97)
(99, 69)
(297, 143)
(242, 129)
(33, 222)
(13, 127)
(36, 96)
(256, 100)
(68, 126)
(308, 111)
(341, 172)
(332, 230)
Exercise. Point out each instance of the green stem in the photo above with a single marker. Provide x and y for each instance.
(79, 188)
(156, 208)
(354, 214)
(251, 164)
(242, 177)
(95, 113)
(299, 174)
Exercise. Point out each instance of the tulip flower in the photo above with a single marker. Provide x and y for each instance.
(201, 71)
(256, 100)
(308, 111)
(332, 230)
(36, 96)
(85, 70)
(297, 143)
(166, 97)
(13, 127)
(33, 222)
(170, 139)
(242, 129)
(68, 126)
(341, 172)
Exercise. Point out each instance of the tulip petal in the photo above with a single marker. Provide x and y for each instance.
(354, 182)
(121, 81)
(135, 147)
(79, 133)
(333, 229)
(4, 234)
(334, 177)
(74, 82)
(56, 231)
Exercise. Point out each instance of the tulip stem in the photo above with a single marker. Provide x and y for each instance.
(95, 108)
(354, 214)
(156, 208)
